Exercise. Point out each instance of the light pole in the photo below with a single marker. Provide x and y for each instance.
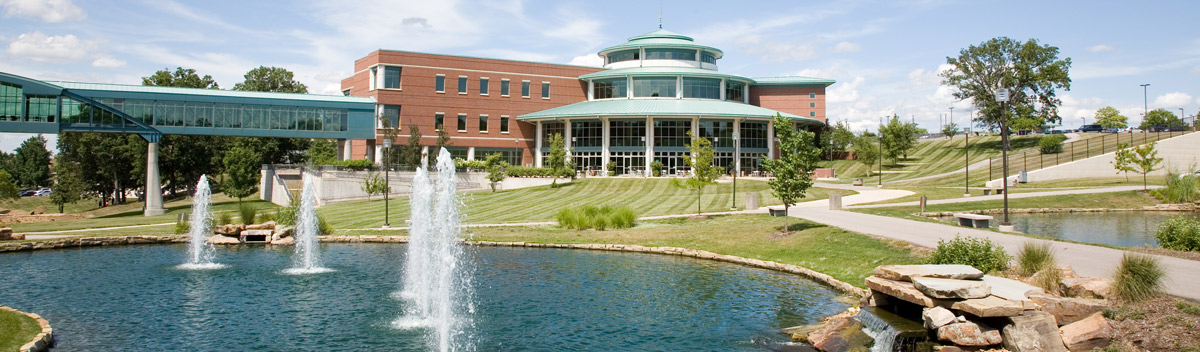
(1145, 105)
(387, 181)
(1002, 97)
(951, 116)
(736, 162)
(966, 158)
(880, 129)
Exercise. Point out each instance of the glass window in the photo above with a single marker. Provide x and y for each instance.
(549, 129)
(812, 105)
(346, 92)
(483, 86)
(504, 87)
(671, 54)
(41, 108)
(610, 88)
(753, 135)
(510, 155)
(672, 133)
(12, 102)
(483, 126)
(545, 90)
(391, 77)
(503, 124)
(587, 133)
(439, 121)
(627, 133)
(707, 88)
(462, 122)
(720, 132)
(462, 84)
(812, 114)
(626, 55)
(812, 95)
(524, 89)
(735, 90)
(654, 87)
(439, 83)
(708, 58)
(391, 116)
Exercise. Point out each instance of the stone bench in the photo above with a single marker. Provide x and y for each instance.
(777, 210)
(988, 191)
(973, 220)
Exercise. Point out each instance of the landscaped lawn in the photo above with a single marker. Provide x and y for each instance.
(847, 256)
(16, 329)
(1112, 200)
(131, 214)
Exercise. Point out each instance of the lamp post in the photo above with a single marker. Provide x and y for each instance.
(736, 159)
(951, 116)
(1145, 105)
(880, 185)
(966, 158)
(387, 181)
(1002, 97)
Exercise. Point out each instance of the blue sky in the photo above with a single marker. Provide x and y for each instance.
(885, 55)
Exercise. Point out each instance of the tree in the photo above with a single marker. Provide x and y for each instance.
(8, 190)
(113, 162)
(1161, 118)
(1110, 117)
(495, 169)
(950, 130)
(1123, 159)
(322, 151)
(271, 79)
(793, 170)
(1031, 72)
(243, 170)
(898, 138)
(1145, 160)
(700, 157)
(32, 163)
(183, 77)
(411, 155)
(837, 139)
(557, 158)
(68, 182)
(373, 184)
(866, 150)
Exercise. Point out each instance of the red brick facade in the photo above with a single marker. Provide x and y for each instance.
(794, 100)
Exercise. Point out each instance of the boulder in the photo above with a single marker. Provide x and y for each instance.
(284, 231)
(269, 225)
(1066, 271)
(990, 306)
(1068, 310)
(6, 233)
(223, 240)
(41, 209)
(256, 235)
(1087, 334)
(1010, 289)
(4, 211)
(943, 271)
(899, 289)
(969, 334)
(840, 333)
(1087, 287)
(951, 288)
(937, 317)
(286, 241)
(1033, 331)
(18, 236)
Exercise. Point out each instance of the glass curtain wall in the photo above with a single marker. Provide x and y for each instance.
(704, 88)
(610, 88)
(587, 133)
(627, 133)
(645, 87)
(12, 102)
(672, 133)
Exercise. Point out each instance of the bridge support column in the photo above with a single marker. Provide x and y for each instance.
(154, 200)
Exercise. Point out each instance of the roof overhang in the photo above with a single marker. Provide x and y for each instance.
(661, 108)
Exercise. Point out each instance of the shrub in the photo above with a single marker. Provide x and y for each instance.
(247, 212)
(290, 215)
(1051, 143)
(182, 226)
(1034, 257)
(1181, 188)
(357, 165)
(525, 171)
(1138, 277)
(460, 163)
(1179, 233)
(981, 253)
(224, 218)
(599, 218)
(656, 168)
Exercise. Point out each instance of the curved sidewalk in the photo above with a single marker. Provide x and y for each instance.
(1010, 196)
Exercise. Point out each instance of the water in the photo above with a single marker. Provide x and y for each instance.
(883, 334)
(307, 256)
(1118, 228)
(439, 295)
(891, 332)
(200, 252)
(526, 300)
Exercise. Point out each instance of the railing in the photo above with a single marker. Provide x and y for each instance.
(1033, 159)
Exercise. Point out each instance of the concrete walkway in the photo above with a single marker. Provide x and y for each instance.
(1010, 196)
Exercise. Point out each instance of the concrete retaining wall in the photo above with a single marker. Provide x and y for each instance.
(333, 185)
(1178, 153)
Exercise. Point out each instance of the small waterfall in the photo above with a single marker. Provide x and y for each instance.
(200, 252)
(437, 292)
(891, 332)
(883, 333)
(307, 256)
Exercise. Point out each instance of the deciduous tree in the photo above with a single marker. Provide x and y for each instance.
(1123, 159)
(271, 79)
(183, 77)
(411, 155)
(1110, 117)
(1161, 117)
(322, 151)
(793, 170)
(68, 183)
(32, 163)
(495, 169)
(700, 157)
(557, 158)
(866, 150)
(950, 130)
(1145, 160)
(242, 168)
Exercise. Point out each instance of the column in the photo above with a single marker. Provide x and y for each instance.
(345, 149)
(737, 146)
(567, 135)
(470, 153)
(649, 144)
(371, 150)
(696, 126)
(771, 139)
(604, 134)
(537, 151)
(376, 152)
(154, 201)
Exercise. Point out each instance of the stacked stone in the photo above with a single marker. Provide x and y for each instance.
(235, 233)
(962, 306)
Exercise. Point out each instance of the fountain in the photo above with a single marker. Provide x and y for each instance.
(307, 256)
(434, 286)
(200, 252)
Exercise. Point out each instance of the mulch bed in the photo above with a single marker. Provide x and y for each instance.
(1157, 325)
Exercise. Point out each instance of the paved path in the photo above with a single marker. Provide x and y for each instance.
(1010, 196)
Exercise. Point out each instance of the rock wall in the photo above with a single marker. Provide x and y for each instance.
(43, 340)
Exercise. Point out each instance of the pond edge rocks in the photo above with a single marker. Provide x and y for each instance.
(43, 340)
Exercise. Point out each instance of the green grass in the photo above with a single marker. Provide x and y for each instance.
(16, 329)
(131, 214)
(845, 255)
(1111, 200)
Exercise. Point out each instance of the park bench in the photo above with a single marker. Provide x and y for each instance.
(987, 191)
(973, 220)
(777, 210)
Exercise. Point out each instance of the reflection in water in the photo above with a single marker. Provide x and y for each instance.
(1118, 228)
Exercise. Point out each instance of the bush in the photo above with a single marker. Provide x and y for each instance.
(290, 215)
(656, 168)
(599, 218)
(525, 171)
(1181, 188)
(182, 226)
(223, 218)
(1051, 143)
(356, 165)
(1034, 257)
(247, 212)
(460, 163)
(1138, 277)
(1179, 233)
(983, 254)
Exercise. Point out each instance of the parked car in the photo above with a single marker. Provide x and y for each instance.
(43, 192)
(26, 192)
(1090, 128)
(1112, 130)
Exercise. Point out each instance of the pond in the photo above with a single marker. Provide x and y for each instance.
(1117, 228)
(135, 298)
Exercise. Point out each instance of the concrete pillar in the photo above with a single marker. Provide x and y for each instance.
(371, 150)
(604, 154)
(154, 200)
(649, 145)
(567, 135)
(346, 149)
(537, 150)
(470, 153)
(737, 146)
(771, 139)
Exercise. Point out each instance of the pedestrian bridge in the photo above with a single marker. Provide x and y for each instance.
(33, 106)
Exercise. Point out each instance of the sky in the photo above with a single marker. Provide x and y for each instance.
(884, 55)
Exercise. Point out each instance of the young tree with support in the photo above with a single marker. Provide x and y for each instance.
(793, 170)
(1144, 161)
(557, 158)
(866, 150)
(700, 157)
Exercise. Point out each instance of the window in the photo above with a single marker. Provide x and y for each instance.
(587, 133)
(504, 87)
(439, 84)
(610, 88)
(671, 54)
(462, 84)
(346, 92)
(812, 105)
(391, 77)
(483, 127)
(524, 89)
(391, 116)
(735, 91)
(626, 55)
(439, 121)
(812, 95)
(549, 129)
(503, 124)
(462, 122)
(753, 135)
(812, 114)
(12, 102)
(654, 87)
(720, 132)
(708, 58)
(483, 86)
(510, 155)
(41, 108)
(672, 133)
(545, 90)
(627, 133)
(707, 88)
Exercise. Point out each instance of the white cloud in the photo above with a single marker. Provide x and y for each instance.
(108, 61)
(572, 26)
(845, 92)
(846, 47)
(781, 52)
(1099, 48)
(60, 49)
(1172, 100)
(48, 10)
(587, 60)
(1195, 70)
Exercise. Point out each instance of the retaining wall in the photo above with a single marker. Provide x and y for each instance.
(1178, 154)
(43, 340)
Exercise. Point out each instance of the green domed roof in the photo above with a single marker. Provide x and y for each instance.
(662, 38)
(662, 33)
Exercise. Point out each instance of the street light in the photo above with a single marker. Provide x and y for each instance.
(1145, 106)
(387, 181)
(736, 162)
(966, 157)
(880, 129)
(1002, 97)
